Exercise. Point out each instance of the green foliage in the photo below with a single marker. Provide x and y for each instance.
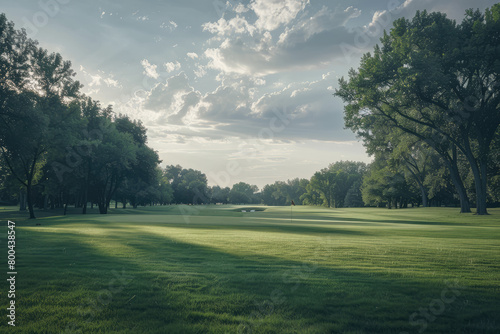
(189, 185)
(354, 198)
(62, 146)
(282, 193)
(243, 193)
(438, 82)
(329, 187)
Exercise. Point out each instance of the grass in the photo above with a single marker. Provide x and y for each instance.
(215, 269)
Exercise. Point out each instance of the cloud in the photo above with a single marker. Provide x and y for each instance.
(172, 100)
(274, 13)
(111, 82)
(192, 55)
(149, 69)
(306, 43)
(200, 71)
(94, 81)
(171, 25)
(240, 9)
(223, 27)
(172, 66)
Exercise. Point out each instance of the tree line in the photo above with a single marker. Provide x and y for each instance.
(60, 147)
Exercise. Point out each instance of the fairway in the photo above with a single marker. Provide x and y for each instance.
(215, 269)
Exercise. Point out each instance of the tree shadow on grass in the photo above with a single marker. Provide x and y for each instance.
(179, 287)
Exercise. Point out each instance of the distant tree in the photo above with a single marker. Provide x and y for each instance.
(282, 193)
(330, 185)
(243, 193)
(354, 198)
(189, 185)
(384, 185)
(312, 196)
(220, 195)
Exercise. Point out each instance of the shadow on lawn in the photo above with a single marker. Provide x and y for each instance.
(185, 288)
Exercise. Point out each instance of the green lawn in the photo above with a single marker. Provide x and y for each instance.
(219, 270)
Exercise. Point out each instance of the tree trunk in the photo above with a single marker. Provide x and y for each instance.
(457, 182)
(30, 200)
(22, 200)
(479, 181)
(103, 209)
(423, 192)
(46, 202)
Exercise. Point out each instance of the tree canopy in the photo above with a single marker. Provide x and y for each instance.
(437, 81)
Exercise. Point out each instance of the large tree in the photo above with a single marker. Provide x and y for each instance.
(35, 87)
(438, 81)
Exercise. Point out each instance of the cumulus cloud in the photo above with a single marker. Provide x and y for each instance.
(223, 27)
(274, 13)
(149, 69)
(172, 99)
(192, 55)
(237, 108)
(310, 42)
(199, 71)
(240, 8)
(172, 66)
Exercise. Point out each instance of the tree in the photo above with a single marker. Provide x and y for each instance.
(354, 198)
(243, 193)
(383, 185)
(282, 193)
(189, 185)
(35, 87)
(141, 180)
(437, 81)
(220, 195)
(330, 185)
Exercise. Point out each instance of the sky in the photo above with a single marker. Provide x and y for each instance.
(241, 90)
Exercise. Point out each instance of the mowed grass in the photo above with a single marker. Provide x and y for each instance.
(215, 269)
